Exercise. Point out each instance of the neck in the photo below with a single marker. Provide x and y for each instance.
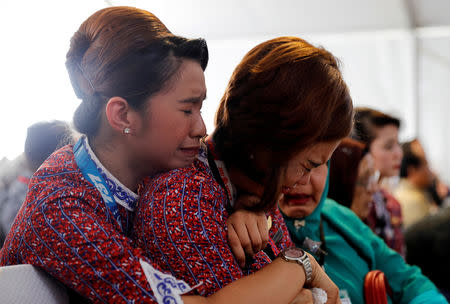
(115, 159)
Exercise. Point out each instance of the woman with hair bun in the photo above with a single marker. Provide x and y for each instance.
(142, 89)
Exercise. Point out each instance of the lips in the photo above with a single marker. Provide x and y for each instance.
(190, 151)
(297, 199)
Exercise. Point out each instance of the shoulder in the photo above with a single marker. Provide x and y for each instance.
(197, 176)
(334, 209)
(59, 176)
(343, 217)
(60, 168)
(187, 192)
(390, 199)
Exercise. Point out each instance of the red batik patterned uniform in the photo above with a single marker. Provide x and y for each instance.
(65, 228)
(181, 223)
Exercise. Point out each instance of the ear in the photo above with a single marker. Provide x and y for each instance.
(120, 115)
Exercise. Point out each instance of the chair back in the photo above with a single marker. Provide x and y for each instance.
(23, 284)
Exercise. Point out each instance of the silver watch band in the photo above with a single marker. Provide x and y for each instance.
(298, 256)
(308, 268)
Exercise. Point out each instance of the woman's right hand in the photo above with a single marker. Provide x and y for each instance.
(321, 280)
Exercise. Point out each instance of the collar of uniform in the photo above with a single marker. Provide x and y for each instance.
(122, 195)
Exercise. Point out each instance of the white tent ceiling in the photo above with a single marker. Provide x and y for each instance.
(249, 18)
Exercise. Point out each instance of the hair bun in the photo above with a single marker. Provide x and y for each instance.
(86, 117)
(79, 44)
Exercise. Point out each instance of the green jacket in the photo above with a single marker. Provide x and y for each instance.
(347, 238)
(353, 250)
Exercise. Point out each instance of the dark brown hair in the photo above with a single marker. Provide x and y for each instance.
(344, 171)
(126, 52)
(410, 158)
(285, 95)
(43, 138)
(367, 120)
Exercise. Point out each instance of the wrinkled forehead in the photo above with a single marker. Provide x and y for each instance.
(317, 153)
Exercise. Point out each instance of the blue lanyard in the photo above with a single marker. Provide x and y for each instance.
(91, 173)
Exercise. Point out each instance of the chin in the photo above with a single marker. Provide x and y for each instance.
(295, 211)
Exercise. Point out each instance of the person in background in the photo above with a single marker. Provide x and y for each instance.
(427, 246)
(43, 138)
(416, 179)
(346, 247)
(379, 132)
(353, 177)
(9, 171)
(440, 192)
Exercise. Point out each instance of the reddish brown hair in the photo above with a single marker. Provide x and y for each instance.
(285, 95)
(344, 170)
(127, 52)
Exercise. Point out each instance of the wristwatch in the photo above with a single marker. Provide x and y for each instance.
(297, 255)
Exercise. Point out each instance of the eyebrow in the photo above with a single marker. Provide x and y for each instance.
(193, 99)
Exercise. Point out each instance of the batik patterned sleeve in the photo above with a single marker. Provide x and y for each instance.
(181, 223)
(79, 245)
(279, 232)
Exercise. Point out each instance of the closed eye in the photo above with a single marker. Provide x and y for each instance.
(314, 164)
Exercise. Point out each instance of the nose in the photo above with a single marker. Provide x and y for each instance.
(198, 128)
(305, 178)
(302, 179)
(399, 152)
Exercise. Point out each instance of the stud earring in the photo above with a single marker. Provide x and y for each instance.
(126, 130)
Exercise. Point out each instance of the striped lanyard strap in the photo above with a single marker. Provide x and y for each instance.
(93, 175)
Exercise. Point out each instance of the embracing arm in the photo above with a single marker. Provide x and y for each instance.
(80, 247)
(278, 282)
(180, 223)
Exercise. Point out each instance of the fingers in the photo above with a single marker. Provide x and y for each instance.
(304, 297)
(254, 234)
(248, 233)
(321, 280)
(263, 230)
(236, 247)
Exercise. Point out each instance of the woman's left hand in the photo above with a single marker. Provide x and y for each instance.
(304, 297)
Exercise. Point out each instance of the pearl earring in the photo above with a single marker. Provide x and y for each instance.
(126, 130)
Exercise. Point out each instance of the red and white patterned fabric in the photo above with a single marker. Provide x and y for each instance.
(181, 223)
(65, 228)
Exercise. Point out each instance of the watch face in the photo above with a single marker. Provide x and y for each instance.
(294, 252)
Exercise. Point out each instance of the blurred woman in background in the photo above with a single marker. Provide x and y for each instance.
(379, 132)
(353, 177)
